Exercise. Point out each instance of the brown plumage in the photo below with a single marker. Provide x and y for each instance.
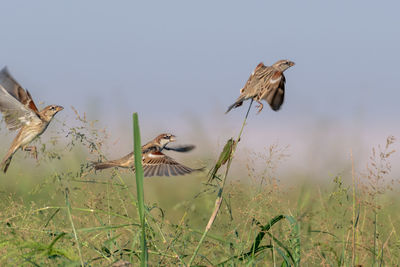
(155, 163)
(20, 112)
(265, 83)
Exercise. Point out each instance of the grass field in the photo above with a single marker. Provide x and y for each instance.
(60, 213)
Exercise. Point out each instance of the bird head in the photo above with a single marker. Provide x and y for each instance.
(283, 65)
(48, 112)
(164, 139)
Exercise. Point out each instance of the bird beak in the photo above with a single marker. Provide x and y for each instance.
(59, 108)
(291, 63)
(172, 139)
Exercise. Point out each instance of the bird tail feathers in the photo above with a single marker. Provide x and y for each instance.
(6, 161)
(104, 165)
(238, 103)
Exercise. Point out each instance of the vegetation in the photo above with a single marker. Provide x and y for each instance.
(62, 213)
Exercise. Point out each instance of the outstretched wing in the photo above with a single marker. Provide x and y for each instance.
(253, 84)
(16, 90)
(14, 112)
(274, 90)
(182, 148)
(158, 164)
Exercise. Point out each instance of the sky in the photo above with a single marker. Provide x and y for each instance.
(180, 64)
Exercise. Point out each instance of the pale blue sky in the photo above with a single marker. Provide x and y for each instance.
(174, 58)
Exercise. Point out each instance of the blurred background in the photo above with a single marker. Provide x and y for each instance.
(179, 64)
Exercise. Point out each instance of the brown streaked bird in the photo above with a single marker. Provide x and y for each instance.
(20, 112)
(265, 83)
(155, 163)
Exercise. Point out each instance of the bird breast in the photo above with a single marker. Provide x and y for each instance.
(30, 132)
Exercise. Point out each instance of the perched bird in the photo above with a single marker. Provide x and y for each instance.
(265, 83)
(223, 158)
(155, 163)
(20, 112)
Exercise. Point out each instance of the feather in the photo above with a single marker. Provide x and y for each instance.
(16, 90)
(15, 114)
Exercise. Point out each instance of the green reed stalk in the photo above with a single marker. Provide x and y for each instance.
(139, 186)
(218, 201)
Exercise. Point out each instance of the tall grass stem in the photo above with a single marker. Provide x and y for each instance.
(68, 204)
(139, 187)
(353, 256)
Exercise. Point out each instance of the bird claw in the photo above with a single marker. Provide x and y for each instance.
(260, 107)
(32, 150)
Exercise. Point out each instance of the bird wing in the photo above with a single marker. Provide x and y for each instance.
(253, 84)
(14, 112)
(16, 90)
(182, 148)
(273, 90)
(158, 164)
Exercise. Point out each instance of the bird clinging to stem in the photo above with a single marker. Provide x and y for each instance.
(265, 83)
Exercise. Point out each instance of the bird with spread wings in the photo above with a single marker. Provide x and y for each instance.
(265, 83)
(20, 113)
(155, 162)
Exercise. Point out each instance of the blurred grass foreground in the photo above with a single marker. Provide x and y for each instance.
(59, 212)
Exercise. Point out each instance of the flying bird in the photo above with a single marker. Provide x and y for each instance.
(265, 83)
(155, 163)
(20, 112)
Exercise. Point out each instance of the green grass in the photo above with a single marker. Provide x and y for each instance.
(139, 187)
(64, 214)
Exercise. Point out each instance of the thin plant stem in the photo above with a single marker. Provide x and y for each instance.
(218, 201)
(273, 253)
(139, 187)
(375, 233)
(353, 256)
(68, 204)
